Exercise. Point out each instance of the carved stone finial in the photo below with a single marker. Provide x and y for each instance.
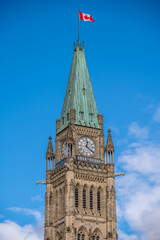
(109, 145)
(50, 153)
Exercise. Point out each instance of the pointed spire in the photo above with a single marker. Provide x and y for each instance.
(109, 145)
(50, 153)
(79, 94)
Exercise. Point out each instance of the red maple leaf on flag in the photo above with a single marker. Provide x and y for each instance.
(86, 17)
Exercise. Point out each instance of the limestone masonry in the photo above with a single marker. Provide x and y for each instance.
(80, 199)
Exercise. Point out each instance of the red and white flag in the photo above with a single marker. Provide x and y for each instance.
(85, 17)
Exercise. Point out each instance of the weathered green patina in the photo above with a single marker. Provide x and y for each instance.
(79, 94)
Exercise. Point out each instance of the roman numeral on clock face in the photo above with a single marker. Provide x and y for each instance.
(86, 146)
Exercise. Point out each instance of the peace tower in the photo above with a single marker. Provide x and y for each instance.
(80, 201)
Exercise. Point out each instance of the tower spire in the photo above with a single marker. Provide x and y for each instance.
(79, 94)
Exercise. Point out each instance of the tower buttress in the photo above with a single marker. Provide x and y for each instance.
(49, 192)
(110, 190)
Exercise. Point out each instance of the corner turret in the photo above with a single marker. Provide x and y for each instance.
(50, 156)
(109, 149)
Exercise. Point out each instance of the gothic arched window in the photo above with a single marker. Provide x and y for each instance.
(76, 197)
(95, 238)
(98, 200)
(84, 198)
(96, 235)
(81, 234)
(91, 199)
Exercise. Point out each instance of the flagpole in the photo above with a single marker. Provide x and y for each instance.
(78, 27)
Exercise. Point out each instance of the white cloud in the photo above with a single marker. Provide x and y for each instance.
(140, 203)
(137, 131)
(156, 116)
(139, 191)
(140, 158)
(124, 236)
(150, 224)
(10, 230)
(27, 211)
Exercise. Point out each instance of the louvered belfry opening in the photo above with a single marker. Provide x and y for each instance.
(76, 197)
(91, 199)
(84, 198)
(98, 200)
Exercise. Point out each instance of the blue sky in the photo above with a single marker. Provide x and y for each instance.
(123, 55)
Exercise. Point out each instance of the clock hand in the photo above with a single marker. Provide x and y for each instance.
(89, 149)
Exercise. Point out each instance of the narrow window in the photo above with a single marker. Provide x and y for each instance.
(91, 199)
(63, 200)
(81, 115)
(68, 116)
(63, 120)
(56, 203)
(91, 117)
(68, 150)
(97, 237)
(93, 237)
(76, 197)
(84, 198)
(48, 164)
(60, 202)
(98, 201)
(83, 236)
(78, 237)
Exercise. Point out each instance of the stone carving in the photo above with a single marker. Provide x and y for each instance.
(79, 215)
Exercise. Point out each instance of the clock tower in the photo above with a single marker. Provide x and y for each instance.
(80, 199)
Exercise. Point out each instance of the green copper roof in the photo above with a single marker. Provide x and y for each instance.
(79, 94)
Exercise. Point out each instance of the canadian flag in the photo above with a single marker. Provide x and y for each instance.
(85, 17)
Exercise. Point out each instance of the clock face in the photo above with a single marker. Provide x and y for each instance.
(64, 150)
(86, 146)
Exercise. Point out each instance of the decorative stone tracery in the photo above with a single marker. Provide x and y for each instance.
(82, 234)
(80, 193)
